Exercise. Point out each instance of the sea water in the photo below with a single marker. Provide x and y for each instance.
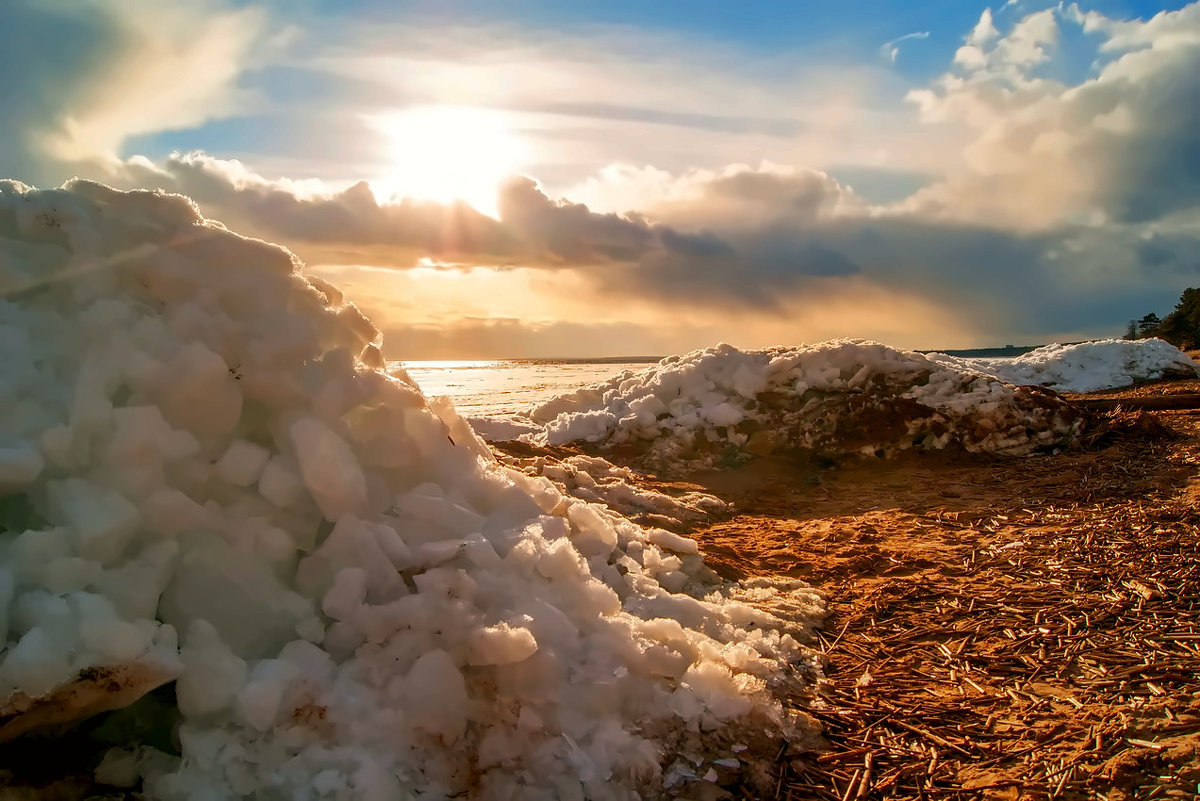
(486, 388)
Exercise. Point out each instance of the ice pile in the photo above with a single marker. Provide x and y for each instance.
(843, 396)
(204, 474)
(1084, 367)
(597, 480)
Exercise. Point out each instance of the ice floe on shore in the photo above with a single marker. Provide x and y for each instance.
(206, 476)
(721, 404)
(1085, 366)
(843, 396)
(597, 480)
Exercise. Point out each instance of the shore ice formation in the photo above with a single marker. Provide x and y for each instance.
(1084, 366)
(841, 396)
(206, 477)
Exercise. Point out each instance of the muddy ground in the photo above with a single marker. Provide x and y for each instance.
(1000, 628)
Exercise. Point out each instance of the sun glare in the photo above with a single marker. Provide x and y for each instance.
(447, 153)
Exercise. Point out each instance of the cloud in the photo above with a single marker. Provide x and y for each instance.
(352, 225)
(1165, 29)
(506, 338)
(752, 195)
(1027, 45)
(533, 229)
(890, 50)
(984, 30)
(773, 126)
(801, 234)
(427, 321)
(118, 68)
(1049, 203)
(760, 241)
(588, 97)
(1118, 146)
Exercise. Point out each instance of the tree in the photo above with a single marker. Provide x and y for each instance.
(1148, 325)
(1131, 332)
(1182, 326)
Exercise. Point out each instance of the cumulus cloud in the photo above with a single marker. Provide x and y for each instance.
(798, 233)
(753, 196)
(762, 239)
(1028, 44)
(984, 30)
(533, 229)
(1117, 146)
(347, 225)
(352, 225)
(119, 68)
(1165, 29)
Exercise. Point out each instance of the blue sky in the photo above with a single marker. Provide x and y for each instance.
(661, 174)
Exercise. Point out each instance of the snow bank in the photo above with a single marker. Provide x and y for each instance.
(203, 468)
(839, 396)
(597, 480)
(1084, 367)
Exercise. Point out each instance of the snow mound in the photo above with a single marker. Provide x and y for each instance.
(1084, 367)
(597, 480)
(844, 396)
(203, 467)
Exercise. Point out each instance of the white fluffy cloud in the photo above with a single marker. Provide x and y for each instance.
(120, 68)
(1119, 145)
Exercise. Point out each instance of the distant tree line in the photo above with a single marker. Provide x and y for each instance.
(1181, 327)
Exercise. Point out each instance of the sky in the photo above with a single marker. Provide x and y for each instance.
(495, 179)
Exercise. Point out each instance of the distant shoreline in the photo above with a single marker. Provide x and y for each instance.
(975, 353)
(985, 353)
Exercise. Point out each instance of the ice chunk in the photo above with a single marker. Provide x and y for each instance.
(593, 534)
(238, 593)
(101, 632)
(242, 463)
(672, 542)
(343, 600)
(37, 663)
(19, 467)
(280, 482)
(501, 644)
(102, 521)
(259, 700)
(330, 469)
(560, 560)
(1085, 366)
(356, 544)
(212, 676)
(436, 696)
(197, 392)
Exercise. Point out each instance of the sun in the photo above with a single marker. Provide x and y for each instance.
(447, 153)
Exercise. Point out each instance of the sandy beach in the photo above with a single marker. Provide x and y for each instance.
(1000, 628)
(553, 401)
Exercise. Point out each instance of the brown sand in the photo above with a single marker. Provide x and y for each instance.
(1010, 629)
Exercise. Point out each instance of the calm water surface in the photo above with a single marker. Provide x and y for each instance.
(495, 387)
